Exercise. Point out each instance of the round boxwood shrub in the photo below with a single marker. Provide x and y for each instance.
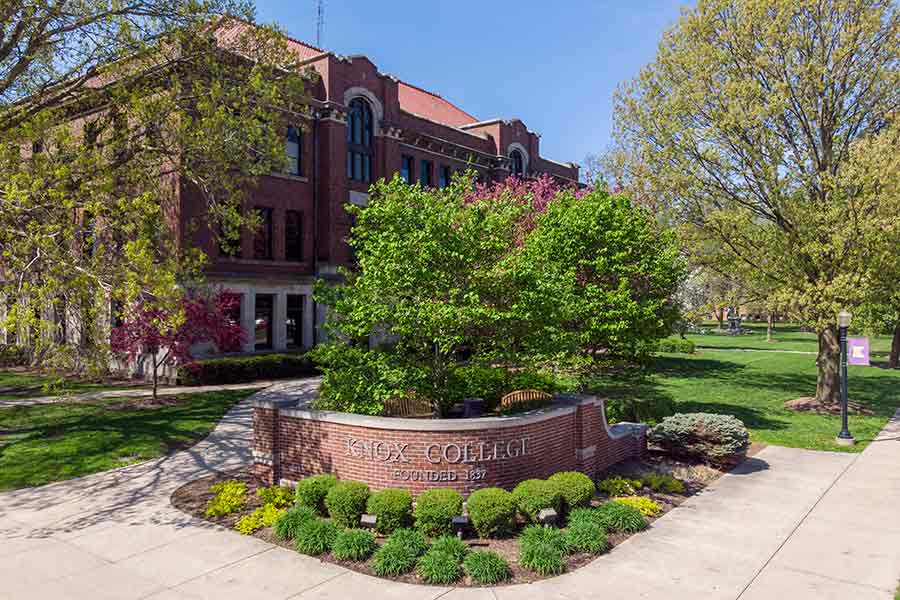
(451, 545)
(542, 558)
(316, 537)
(486, 567)
(492, 512)
(576, 488)
(435, 510)
(393, 508)
(399, 553)
(288, 524)
(346, 502)
(647, 506)
(439, 567)
(586, 536)
(534, 495)
(311, 491)
(716, 439)
(615, 516)
(354, 544)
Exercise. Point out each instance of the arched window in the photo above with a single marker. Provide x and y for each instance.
(516, 163)
(359, 140)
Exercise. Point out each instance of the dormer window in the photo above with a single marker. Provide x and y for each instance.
(359, 141)
(516, 163)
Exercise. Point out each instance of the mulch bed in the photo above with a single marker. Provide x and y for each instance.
(193, 497)
(811, 404)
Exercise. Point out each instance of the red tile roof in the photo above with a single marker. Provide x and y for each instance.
(431, 106)
(231, 31)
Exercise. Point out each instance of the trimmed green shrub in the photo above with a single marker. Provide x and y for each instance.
(646, 506)
(619, 486)
(346, 502)
(279, 496)
(399, 553)
(539, 534)
(13, 356)
(486, 567)
(435, 510)
(615, 516)
(316, 537)
(439, 567)
(451, 545)
(650, 410)
(542, 558)
(662, 482)
(675, 345)
(393, 508)
(230, 497)
(354, 544)
(492, 512)
(576, 488)
(311, 491)
(533, 495)
(709, 437)
(241, 369)
(586, 536)
(288, 524)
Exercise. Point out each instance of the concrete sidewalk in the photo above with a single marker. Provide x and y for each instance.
(788, 523)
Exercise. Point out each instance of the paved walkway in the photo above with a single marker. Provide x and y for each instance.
(788, 523)
(133, 393)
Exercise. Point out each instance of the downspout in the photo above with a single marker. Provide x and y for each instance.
(315, 329)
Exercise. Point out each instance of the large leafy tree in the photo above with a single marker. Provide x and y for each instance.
(746, 124)
(110, 113)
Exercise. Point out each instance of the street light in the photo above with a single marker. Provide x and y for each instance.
(844, 438)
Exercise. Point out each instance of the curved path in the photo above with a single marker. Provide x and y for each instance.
(789, 523)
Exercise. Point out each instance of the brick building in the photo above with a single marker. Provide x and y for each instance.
(364, 125)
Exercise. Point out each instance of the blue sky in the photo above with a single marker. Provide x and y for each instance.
(555, 65)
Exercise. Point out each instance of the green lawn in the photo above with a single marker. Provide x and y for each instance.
(753, 386)
(17, 384)
(787, 337)
(41, 444)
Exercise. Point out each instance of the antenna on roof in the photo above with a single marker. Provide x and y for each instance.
(320, 21)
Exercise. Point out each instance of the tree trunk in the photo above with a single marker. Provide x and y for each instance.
(155, 378)
(770, 330)
(894, 361)
(828, 382)
(720, 317)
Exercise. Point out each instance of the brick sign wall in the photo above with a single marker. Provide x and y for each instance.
(291, 443)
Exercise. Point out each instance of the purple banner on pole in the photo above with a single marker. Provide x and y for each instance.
(858, 351)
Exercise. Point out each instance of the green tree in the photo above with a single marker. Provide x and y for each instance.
(110, 114)
(746, 123)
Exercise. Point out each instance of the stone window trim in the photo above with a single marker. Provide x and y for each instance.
(526, 159)
(374, 103)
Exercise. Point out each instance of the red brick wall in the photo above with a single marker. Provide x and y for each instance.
(289, 445)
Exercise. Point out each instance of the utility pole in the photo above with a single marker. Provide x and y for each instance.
(320, 21)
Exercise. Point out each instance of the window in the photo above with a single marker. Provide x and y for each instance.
(425, 173)
(293, 147)
(264, 312)
(516, 163)
(262, 238)
(407, 166)
(294, 321)
(293, 235)
(444, 176)
(359, 141)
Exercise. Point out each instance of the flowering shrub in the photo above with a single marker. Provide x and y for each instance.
(647, 506)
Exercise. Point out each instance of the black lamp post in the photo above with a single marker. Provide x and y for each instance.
(844, 438)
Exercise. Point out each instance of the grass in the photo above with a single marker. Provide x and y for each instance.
(787, 337)
(753, 386)
(16, 384)
(46, 443)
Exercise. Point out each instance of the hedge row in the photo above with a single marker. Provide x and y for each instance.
(12, 356)
(675, 345)
(242, 369)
